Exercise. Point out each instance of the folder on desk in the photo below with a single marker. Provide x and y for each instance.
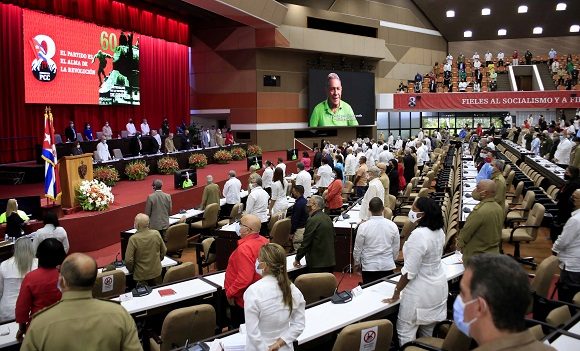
(166, 292)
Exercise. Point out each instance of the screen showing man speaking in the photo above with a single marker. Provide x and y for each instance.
(74, 62)
(341, 99)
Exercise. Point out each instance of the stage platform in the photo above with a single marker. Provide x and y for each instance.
(97, 233)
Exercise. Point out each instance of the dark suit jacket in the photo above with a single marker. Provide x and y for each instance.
(318, 242)
(158, 208)
(70, 134)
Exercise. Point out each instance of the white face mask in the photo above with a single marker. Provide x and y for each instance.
(413, 216)
(237, 228)
(259, 270)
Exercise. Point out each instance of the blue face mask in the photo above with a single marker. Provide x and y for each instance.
(259, 270)
(458, 311)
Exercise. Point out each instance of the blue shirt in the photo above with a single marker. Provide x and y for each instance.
(299, 215)
(341, 167)
(485, 172)
(463, 133)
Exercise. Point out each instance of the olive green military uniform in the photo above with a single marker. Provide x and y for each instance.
(500, 184)
(211, 195)
(575, 156)
(546, 146)
(80, 322)
(318, 242)
(145, 251)
(482, 230)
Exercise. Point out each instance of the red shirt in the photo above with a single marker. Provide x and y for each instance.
(229, 138)
(38, 290)
(241, 270)
(402, 181)
(479, 131)
(334, 195)
(306, 162)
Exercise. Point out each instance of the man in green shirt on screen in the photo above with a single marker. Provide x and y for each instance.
(333, 112)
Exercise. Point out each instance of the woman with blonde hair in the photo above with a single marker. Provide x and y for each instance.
(14, 219)
(273, 306)
(12, 271)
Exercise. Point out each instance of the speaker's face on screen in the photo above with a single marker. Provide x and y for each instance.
(334, 91)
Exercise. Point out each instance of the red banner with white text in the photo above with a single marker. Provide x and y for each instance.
(488, 101)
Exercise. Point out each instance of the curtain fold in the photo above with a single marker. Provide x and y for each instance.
(164, 77)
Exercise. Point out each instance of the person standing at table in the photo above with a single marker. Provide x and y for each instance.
(12, 272)
(492, 304)
(169, 145)
(306, 161)
(499, 180)
(130, 127)
(304, 179)
(258, 203)
(318, 242)
(282, 166)
(482, 230)
(360, 177)
(103, 149)
(562, 154)
(333, 194)
(231, 192)
(377, 244)
(51, 229)
(349, 165)
(145, 130)
(144, 253)
(278, 201)
(96, 324)
(375, 189)
(14, 219)
(565, 208)
(107, 131)
(424, 301)
(267, 177)
(88, 132)
(299, 216)
(567, 247)
(273, 307)
(229, 137)
(157, 141)
(241, 269)
(39, 287)
(70, 132)
(158, 207)
(211, 194)
(323, 174)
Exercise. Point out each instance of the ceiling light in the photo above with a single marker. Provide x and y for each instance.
(467, 34)
(522, 9)
(575, 28)
(561, 7)
(537, 30)
(450, 13)
(485, 12)
(501, 32)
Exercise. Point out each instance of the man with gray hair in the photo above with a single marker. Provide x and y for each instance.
(158, 207)
(375, 189)
(333, 112)
(144, 253)
(211, 194)
(318, 242)
(304, 178)
(350, 163)
(231, 192)
(258, 201)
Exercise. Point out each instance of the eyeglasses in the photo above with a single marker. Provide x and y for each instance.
(243, 225)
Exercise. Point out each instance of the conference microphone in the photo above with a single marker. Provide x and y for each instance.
(343, 296)
(344, 214)
(118, 263)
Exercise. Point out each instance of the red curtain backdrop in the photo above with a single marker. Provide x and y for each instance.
(164, 75)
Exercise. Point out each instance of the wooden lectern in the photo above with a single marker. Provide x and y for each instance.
(73, 170)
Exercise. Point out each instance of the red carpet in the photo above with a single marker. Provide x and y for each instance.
(98, 232)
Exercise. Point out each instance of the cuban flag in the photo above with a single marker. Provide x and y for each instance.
(49, 156)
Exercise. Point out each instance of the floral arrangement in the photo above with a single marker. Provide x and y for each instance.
(107, 175)
(198, 160)
(222, 156)
(94, 195)
(238, 153)
(167, 165)
(254, 150)
(137, 170)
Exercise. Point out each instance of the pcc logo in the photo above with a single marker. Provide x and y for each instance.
(43, 67)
